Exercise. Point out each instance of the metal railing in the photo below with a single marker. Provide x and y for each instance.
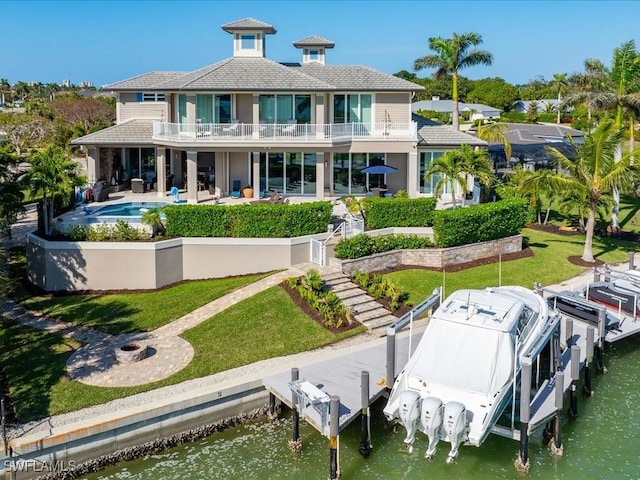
(279, 132)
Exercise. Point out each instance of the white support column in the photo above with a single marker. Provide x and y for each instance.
(412, 174)
(161, 172)
(320, 171)
(192, 177)
(255, 115)
(255, 174)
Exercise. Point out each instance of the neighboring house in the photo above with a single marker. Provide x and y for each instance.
(544, 105)
(478, 111)
(304, 128)
(529, 145)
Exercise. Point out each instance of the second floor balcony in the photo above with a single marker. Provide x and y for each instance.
(236, 132)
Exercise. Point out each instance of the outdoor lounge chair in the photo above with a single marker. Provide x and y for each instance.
(290, 128)
(232, 129)
(235, 190)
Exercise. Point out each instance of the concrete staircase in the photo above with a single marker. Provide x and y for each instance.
(364, 308)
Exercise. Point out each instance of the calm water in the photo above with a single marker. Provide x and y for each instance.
(602, 444)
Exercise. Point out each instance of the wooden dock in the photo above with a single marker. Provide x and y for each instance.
(340, 376)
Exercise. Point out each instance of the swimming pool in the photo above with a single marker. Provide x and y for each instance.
(128, 209)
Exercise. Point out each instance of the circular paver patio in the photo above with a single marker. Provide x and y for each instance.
(95, 364)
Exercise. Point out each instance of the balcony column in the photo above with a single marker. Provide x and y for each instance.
(255, 174)
(412, 173)
(319, 115)
(161, 172)
(256, 116)
(320, 171)
(93, 164)
(192, 177)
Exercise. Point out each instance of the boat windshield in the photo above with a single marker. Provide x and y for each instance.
(464, 357)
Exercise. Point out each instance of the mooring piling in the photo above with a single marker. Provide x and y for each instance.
(522, 463)
(391, 358)
(568, 332)
(296, 442)
(631, 260)
(586, 388)
(556, 444)
(575, 376)
(365, 442)
(334, 429)
(599, 352)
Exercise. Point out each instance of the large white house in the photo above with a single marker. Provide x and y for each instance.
(305, 128)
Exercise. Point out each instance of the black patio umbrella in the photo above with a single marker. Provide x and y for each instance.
(379, 170)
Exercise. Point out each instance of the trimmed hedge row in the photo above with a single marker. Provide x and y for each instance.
(399, 212)
(480, 223)
(364, 245)
(248, 221)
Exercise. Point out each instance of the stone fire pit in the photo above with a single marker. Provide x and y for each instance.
(131, 352)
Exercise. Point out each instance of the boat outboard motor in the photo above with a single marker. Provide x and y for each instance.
(431, 416)
(455, 423)
(409, 412)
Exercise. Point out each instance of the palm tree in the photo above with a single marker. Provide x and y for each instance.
(455, 166)
(452, 55)
(561, 84)
(590, 87)
(54, 175)
(494, 133)
(153, 218)
(592, 173)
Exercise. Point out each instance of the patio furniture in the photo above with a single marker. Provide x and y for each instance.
(235, 189)
(100, 191)
(290, 129)
(233, 128)
(137, 185)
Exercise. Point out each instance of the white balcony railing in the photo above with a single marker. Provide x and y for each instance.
(277, 132)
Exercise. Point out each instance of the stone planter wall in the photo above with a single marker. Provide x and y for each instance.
(431, 257)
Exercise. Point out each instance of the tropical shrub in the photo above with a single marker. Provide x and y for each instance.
(379, 287)
(363, 245)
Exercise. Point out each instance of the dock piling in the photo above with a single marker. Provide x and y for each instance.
(586, 388)
(575, 376)
(599, 352)
(296, 442)
(568, 330)
(273, 407)
(391, 358)
(522, 462)
(631, 262)
(556, 443)
(365, 442)
(334, 428)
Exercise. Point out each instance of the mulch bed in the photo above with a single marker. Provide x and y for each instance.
(317, 316)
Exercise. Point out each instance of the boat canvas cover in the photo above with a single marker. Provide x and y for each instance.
(464, 357)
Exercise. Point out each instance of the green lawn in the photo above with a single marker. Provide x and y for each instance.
(126, 312)
(548, 266)
(34, 361)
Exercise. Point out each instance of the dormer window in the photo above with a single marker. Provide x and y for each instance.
(314, 55)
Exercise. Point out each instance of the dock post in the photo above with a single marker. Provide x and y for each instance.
(631, 262)
(586, 388)
(568, 331)
(556, 443)
(296, 443)
(273, 407)
(522, 462)
(575, 376)
(365, 442)
(334, 430)
(391, 358)
(599, 353)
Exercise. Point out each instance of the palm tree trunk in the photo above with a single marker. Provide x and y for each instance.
(46, 218)
(587, 254)
(453, 194)
(558, 107)
(454, 98)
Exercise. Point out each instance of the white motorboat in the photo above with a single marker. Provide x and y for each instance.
(462, 374)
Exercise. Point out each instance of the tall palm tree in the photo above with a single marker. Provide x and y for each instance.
(495, 133)
(561, 84)
(455, 166)
(592, 173)
(53, 174)
(452, 55)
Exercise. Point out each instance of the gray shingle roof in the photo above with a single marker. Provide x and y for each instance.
(245, 74)
(357, 77)
(314, 41)
(132, 132)
(433, 134)
(248, 24)
(144, 81)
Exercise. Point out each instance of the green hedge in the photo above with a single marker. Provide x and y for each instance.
(399, 212)
(363, 245)
(248, 221)
(480, 223)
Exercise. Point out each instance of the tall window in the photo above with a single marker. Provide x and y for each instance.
(348, 178)
(247, 42)
(428, 186)
(213, 108)
(182, 111)
(352, 108)
(280, 108)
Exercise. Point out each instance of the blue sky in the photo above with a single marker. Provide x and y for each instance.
(107, 41)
